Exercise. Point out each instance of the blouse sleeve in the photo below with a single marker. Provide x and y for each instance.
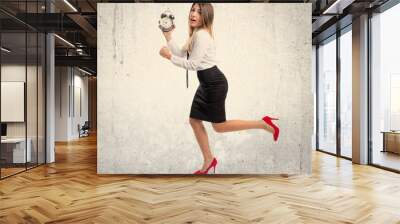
(202, 41)
(175, 49)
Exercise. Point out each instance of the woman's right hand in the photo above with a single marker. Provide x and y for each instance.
(168, 35)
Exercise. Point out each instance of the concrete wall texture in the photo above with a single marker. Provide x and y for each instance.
(263, 49)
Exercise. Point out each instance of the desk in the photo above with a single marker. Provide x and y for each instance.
(17, 150)
(391, 141)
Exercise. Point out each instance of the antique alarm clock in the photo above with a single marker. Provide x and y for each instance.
(166, 22)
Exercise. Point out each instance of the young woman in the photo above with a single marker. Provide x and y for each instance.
(209, 101)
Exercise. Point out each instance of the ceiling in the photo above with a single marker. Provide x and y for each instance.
(76, 20)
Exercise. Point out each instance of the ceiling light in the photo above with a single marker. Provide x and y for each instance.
(64, 40)
(338, 6)
(70, 5)
(84, 71)
(5, 50)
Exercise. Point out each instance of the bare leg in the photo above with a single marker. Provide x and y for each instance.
(202, 139)
(238, 125)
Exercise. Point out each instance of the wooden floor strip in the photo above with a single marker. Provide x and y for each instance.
(70, 191)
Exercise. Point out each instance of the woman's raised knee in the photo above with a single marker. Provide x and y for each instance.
(217, 127)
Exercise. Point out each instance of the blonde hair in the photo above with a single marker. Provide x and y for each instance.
(207, 16)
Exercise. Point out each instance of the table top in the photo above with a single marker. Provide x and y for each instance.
(13, 140)
(391, 132)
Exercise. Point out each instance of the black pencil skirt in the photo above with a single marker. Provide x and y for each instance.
(209, 101)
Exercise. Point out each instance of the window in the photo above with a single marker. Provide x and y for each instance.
(385, 88)
(346, 93)
(327, 96)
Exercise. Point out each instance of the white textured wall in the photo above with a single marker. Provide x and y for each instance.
(143, 104)
(66, 120)
(61, 103)
(80, 84)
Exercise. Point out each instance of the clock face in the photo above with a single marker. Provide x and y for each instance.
(166, 22)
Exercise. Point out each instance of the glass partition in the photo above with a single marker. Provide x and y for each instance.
(41, 87)
(22, 67)
(14, 153)
(32, 96)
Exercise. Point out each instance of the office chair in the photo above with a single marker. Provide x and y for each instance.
(84, 130)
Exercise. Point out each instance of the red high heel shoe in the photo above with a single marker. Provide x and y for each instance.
(213, 164)
(269, 120)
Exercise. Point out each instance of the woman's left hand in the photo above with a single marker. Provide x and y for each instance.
(165, 52)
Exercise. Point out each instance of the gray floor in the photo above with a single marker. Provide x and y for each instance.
(387, 159)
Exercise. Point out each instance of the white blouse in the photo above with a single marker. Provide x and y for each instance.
(203, 53)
